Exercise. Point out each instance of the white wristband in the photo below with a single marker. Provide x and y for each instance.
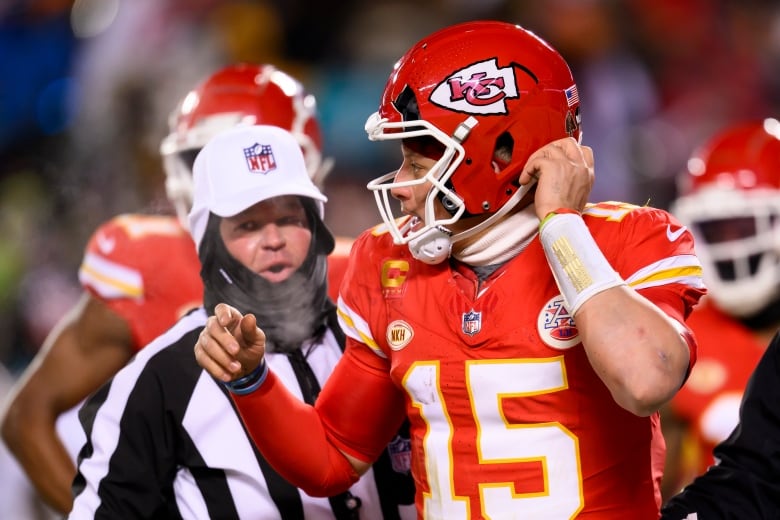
(577, 263)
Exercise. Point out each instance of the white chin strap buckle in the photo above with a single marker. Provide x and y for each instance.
(432, 247)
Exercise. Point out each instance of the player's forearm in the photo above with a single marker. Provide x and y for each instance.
(291, 437)
(34, 442)
(632, 345)
(637, 351)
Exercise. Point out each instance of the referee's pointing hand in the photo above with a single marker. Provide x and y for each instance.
(231, 345)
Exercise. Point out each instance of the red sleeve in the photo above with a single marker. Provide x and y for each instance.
(337, 265)
(358, 412)
(662, 265)
(291, 437)
(360, 404)
(678, 307)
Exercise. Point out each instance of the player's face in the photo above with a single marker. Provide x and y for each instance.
(412, 198)
(271, 238)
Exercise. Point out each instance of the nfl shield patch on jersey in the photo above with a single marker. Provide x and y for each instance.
(400, 451)
(472, 322)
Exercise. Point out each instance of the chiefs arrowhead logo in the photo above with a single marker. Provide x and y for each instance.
(480, 88)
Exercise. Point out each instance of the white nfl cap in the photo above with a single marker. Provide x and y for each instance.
(243, 166)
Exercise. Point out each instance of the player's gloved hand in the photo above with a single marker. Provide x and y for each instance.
(231, 345)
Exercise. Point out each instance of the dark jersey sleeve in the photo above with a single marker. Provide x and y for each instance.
(745, 483)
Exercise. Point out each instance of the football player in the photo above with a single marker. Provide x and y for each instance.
(529, 337)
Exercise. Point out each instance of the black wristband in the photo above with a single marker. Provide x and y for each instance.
(250, 382)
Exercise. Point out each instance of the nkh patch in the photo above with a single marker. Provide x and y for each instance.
(400, 451)
(399, 334)
(260, 158)
(472, 322)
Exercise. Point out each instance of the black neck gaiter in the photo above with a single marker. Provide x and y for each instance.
(289, 312)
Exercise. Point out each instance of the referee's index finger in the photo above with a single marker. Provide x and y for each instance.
(251, 334)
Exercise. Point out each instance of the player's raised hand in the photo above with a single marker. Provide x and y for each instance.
(231, 345)
(563, 171)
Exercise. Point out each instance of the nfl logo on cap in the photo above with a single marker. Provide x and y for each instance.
(260, 158)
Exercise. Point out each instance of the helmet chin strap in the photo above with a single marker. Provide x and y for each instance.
(432, 246)
(435, 245)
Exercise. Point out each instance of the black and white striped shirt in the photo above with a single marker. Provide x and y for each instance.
(164, 441)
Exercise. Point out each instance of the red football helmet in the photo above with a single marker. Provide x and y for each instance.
(237, 95)
(730, 199)
(475, 87)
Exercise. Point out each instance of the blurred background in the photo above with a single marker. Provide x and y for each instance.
(86, 87)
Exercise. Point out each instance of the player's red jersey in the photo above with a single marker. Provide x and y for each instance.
(146, 269)
(337, 265)
(508, 418)
(709, 401)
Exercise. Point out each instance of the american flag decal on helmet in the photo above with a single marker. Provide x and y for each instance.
(572, 97)
(260, 158)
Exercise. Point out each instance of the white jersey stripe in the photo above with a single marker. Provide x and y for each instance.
(109, 279)
(356, 327)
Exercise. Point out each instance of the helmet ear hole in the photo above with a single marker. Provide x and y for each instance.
(502, 152)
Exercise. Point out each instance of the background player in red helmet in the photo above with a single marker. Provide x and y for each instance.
(140, 272)
(239, 95)
(730, 200)
(529, 337)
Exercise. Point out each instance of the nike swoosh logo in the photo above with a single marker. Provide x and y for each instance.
(105, 244)
(672, 236)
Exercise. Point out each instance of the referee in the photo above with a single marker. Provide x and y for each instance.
(163, 438)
